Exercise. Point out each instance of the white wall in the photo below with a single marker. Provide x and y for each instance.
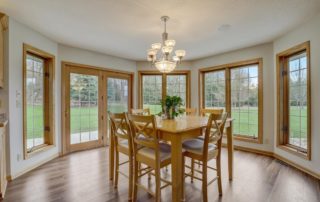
(309, 31)
(262, 51)
(19, 34)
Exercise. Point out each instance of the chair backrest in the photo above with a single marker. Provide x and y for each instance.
(190, 111)
(144, 131)
(205, 112)
(214, 130)
(120, 128)
(141, 111)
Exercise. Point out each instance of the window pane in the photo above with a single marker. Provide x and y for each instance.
(244, 100)
(152, 92)
(117, 95)
(84, 108)
(215, 89)
(35, 101)
(176, 86)
(297, 74)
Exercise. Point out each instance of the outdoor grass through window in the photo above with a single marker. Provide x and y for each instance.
(244, 100)
(152, 92)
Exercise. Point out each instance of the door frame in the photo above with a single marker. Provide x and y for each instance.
(103, 73)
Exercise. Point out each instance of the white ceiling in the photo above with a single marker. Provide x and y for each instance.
(126, 28)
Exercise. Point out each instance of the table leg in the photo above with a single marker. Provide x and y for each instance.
(111, 156)
(176, 167)
(230, 150)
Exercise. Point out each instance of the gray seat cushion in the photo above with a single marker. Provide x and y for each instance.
(196, 146)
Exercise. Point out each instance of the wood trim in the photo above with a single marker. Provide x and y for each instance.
(251, 150)
(295, 165)
(73, 64)
(164, 84)
(282, 100)
(49, 98)
(227, 68)
(103, 74)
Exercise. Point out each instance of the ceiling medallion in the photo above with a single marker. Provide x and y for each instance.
(160, 55)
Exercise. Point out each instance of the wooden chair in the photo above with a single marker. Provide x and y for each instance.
(206, 150)
(205, 112)
(190, 111)
(149, 150)
(141, 111)
(123, 144)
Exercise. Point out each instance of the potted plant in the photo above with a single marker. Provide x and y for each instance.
(171, 106)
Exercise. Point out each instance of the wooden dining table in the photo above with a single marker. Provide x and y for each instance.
(176, 131)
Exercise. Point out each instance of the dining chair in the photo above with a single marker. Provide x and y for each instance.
(205, 112)
(190, 111)
(148, 150)
(141, 111)
(123, 144)
(206, 150)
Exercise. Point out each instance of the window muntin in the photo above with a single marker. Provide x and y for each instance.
(297, 94)
(244, 100)
(237, 88)
(215, 89)
(177, 86)
(35, 108)
(152, 92)
(154, 87)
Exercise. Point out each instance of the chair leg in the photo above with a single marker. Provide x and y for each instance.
(192, 170)
(218, 162)
(182, 180)
(130, 178)
(117, 170)
(158, 183)
(204, 182)
(135, 180)
(149, 174)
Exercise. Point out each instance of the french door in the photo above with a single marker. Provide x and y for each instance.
(87, 96)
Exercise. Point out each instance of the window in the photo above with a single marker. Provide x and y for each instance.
(237, 88)
(38, 99)
(294, 100)
(215, 89)
(154, 86)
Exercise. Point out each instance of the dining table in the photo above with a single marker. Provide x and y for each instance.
(176, 131)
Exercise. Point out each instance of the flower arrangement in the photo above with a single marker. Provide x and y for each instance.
(171, 106)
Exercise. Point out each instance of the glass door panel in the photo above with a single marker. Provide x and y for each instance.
(118, 94)
(84, 116)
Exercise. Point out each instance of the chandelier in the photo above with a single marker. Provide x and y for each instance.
(164, 60)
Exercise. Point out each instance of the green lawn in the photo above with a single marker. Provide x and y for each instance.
(86, 119)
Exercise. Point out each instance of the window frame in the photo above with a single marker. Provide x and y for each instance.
(164, 84)
(49, 100)
(283, 101)
(227, 68)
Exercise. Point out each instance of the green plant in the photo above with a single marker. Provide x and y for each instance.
(171, 106)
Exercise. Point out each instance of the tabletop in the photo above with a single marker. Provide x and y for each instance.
(184, 123)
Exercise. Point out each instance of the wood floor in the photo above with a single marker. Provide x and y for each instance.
(82, 176)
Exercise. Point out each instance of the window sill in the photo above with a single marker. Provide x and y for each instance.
(294, 151)
(40, 149)
(247, 139)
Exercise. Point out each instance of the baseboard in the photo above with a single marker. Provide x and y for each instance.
(291, 163)
(12, 177)
(256, 151)
(278, 157)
